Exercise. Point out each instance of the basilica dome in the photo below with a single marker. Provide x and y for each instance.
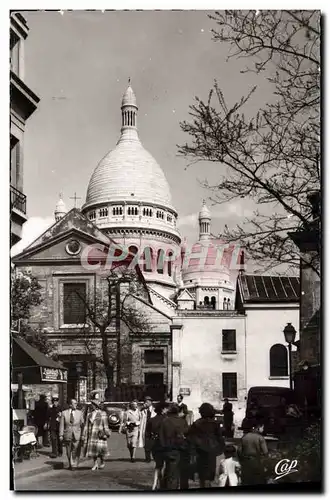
(129, 199)
(128, 173)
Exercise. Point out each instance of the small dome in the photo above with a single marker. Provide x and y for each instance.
(129, 98)
(204, 213)
(60, 206)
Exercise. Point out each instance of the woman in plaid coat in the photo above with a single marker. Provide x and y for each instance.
(95, 435)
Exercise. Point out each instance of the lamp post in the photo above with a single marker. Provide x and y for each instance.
(79, 369)
(289, 335)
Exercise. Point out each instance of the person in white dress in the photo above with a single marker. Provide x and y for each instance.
(131, 427)
(230, 468)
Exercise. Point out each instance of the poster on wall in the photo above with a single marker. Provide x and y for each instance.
(53, 375)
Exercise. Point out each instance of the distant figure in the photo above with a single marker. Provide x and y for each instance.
(71, 424)
(172, 438)
(40, 417)
(131, 427)
(144, 439)
(228, 419)
(206, 442)
(96, 433)
(230, 468)
(253, 448)
(54, 417)
(183, 409)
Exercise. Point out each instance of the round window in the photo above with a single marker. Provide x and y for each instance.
(73, 247)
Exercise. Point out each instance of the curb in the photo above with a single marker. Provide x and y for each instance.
(42, 469)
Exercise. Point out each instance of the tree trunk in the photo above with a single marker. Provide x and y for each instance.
(106, 359)
(118, 378)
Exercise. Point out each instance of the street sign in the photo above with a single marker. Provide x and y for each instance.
(185, 391)
(53, 375)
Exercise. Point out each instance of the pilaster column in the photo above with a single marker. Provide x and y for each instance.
(176, 331)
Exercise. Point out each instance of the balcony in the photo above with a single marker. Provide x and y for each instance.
(18, 214)
(17, 200)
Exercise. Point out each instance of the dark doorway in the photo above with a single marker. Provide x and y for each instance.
(155, 388)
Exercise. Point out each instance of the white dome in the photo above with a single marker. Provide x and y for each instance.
(204, 213)
(60, 207)
(128, 173)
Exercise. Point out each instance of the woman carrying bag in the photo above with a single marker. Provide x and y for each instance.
(96, 433)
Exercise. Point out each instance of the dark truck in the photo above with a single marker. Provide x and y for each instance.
(269, 406)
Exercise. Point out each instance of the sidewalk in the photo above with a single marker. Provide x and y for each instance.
(40, 464)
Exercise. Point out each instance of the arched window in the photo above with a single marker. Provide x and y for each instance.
(169, 264)
(160, 261)
(278, 361)
(213, 302)
(206, 301)
(224, 303)
(133, 249)
(228, 303)
(148, 260)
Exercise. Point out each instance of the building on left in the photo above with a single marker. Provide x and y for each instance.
(23, 103)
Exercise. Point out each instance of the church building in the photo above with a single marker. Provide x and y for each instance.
(216, 331)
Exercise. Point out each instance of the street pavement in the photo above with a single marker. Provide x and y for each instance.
(119, 473)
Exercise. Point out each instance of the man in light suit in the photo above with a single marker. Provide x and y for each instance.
(71, 424)
(144, 439)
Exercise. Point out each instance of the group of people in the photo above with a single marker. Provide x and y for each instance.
(178, 449)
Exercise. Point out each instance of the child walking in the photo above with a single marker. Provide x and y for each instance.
(230, 468)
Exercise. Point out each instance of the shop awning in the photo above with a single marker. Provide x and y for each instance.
(35, 366)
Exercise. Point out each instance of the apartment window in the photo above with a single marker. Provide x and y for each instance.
(92, 215)
(14, 162)
(229, 385)
(74, 296)
(228, 340)
(117, 211)
(278, 360)
(154, 356)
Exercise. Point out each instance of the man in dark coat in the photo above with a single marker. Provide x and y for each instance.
(183, 409)
(228, 418)
(206, 443)
(54, 417)
(40, 419)
(172, 432)
(253, 449)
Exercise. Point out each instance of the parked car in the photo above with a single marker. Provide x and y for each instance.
(115, 412)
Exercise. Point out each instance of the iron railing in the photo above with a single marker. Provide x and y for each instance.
(17, 199)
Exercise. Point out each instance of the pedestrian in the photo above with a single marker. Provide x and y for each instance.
(253, 449)
(230, 468)
(183, 409)
(96, 434)
(40, 417)
(206, 443)
(172, 438)
(131, 426)
(152, 429)
(54, 417)
(228, 419)
(71, 424)
(144, 439)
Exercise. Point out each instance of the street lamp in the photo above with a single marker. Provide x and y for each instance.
(289, 335)
(79, 369)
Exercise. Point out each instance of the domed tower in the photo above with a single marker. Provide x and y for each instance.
(60, 209)
(206, 268)
(128, 198)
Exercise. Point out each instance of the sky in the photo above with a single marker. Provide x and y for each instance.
(79, 63)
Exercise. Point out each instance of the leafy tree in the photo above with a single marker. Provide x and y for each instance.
(25, 294)
(111, 310)
(274, 156)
